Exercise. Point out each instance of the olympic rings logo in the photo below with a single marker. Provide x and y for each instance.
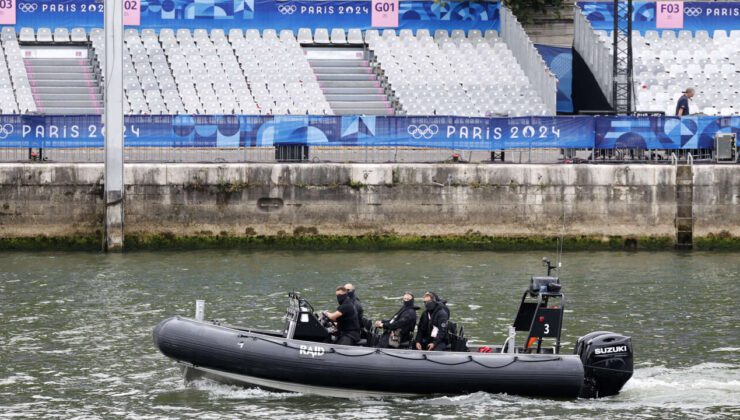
(692, 11)
(5, 131)
(28, 7)
(287, 9)
(423, 131)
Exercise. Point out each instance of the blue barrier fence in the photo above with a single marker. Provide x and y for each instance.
(186, 131)
(262, 14)
(560, 61)
(707, 16)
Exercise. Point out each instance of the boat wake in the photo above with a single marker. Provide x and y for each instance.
(706, 389)
(218, 390)
(701, 386)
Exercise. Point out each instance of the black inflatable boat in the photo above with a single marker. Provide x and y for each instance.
(302, 358)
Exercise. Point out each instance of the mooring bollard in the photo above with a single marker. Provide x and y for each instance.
(200, 309)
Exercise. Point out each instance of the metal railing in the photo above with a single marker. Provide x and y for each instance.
(542, 79)
(358, 154)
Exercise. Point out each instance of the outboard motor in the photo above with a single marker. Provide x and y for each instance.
(607, 363)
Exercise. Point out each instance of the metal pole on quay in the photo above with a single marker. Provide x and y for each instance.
(113, 121)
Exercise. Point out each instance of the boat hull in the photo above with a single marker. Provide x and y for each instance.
(250, 358)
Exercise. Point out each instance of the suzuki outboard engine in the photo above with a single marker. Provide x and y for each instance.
(607, 363)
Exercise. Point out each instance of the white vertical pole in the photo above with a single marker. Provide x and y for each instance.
(113, 120)
(200, 309)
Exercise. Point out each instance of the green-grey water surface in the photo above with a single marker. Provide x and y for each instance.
(75, 338)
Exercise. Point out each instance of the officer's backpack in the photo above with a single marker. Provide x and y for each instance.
(456, 338)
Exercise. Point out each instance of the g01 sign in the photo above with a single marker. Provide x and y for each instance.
(385, 13)
(7, 12)
(132, 12)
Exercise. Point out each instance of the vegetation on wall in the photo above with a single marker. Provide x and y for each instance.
(525, 10)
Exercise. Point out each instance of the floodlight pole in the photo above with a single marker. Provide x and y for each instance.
(622, 51)
(113, 121)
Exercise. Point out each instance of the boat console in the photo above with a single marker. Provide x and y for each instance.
(541, 312)
(301, 322)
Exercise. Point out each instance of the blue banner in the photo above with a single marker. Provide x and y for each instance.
(581, 132)
(262, 14)
(708, 16)
(560, 62)
(252, 131)
(662, 132)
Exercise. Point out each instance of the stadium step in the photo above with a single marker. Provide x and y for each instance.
(346, 77)
(349, 82)
(33, 68)
(67, 90)
(72, 103)
(359, 104)
(327, 70)
(57, 62)
(338, 63)
(61, 76)
(68, 96)
(353, 91)
(56, 82)
(64, 86)
(71, 111)
(364, 111)
(354, 97)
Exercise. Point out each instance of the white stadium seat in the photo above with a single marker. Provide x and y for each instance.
(321, 36)
(338, 36)
(78, 35)
(27, 35)
(488, 80)
(354, 37)
(304, 36)
(61, 35)
(287, 35)
(664, 65)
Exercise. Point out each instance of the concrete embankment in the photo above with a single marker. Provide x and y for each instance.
(476, 206)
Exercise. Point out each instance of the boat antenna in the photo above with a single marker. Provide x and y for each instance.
(560, 242)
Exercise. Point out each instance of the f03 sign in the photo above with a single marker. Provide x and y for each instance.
(7, 12)
(669, 15)
(384, 13)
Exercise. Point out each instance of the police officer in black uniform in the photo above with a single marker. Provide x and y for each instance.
(400, 328)
(348, 326)
(356, 301)
(432, 332)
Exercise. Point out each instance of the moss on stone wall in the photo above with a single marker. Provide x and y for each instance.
(717, 241)
(308, 241)
(56, 243)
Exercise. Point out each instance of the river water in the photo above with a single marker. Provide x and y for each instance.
(75, 338)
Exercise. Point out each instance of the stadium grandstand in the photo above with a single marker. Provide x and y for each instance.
(449, 76)
(704, 56)
(324, 71)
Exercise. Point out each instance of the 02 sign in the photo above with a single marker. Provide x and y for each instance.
(7, 12)
(132, 12)
(384, 14)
